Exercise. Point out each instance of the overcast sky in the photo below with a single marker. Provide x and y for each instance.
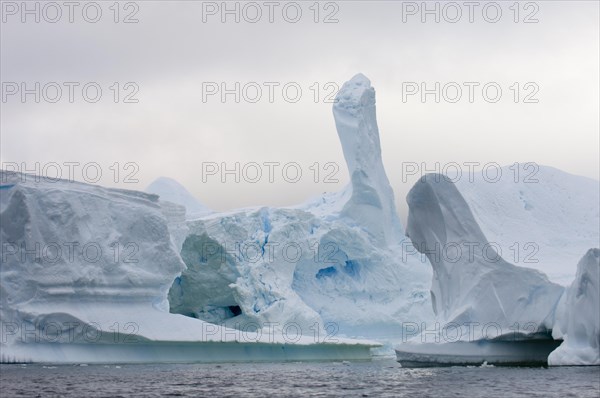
(177, 51)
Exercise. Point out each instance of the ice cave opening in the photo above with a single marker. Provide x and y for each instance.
(203, 289)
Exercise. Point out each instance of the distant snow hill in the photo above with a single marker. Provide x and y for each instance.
(171, 191)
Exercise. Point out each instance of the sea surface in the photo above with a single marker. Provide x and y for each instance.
(378, 378)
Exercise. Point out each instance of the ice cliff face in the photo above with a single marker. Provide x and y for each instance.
(578, 316)
(471, 282)
(76, 255)
(336, 262)
(68, 241)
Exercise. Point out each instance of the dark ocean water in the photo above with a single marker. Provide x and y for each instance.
(380, 378)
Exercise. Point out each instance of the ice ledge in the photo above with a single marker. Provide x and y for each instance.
(532, 352)
(182, 352)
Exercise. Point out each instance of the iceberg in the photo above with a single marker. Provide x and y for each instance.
(85, 276)
(475, 290)
(92, 274)
(336, 263)
(471, 281)
(578, 316)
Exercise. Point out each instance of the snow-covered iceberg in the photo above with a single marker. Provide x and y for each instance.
(336, 262)
(475, 290)
(578, 316)
(471, 281)
(92, 274)
(85, 276)
(275, 278)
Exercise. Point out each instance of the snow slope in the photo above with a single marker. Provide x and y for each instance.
(540, 217)
(578, 316)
